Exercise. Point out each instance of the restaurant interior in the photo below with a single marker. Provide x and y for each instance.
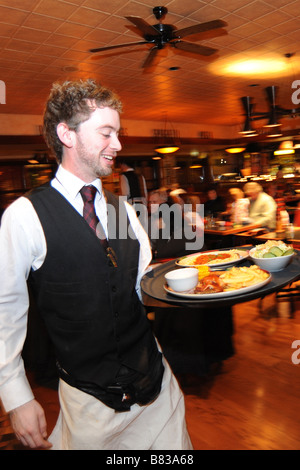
(226, 95)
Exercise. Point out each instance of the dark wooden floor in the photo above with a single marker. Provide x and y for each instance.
(249, 402)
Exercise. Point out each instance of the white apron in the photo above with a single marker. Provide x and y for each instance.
(85, 423)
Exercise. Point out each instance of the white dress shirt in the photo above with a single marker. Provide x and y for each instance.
(22, 248)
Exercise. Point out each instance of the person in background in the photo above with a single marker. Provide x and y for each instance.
(262, 208)
(194, 216)
(165, 225)
(239, 210)
(279, 174)
(215, 204)
(277, 192)
(132, 185)
(116, 390)
(177, 196)
(297, 216)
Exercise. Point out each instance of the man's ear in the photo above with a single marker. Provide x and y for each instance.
(66, 135)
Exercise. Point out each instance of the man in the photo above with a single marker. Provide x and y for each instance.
(215, 204)
(132, 185)
(262, 209)
(116, 391)
(166, 228)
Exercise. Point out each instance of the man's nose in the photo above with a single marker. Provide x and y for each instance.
(116, 144)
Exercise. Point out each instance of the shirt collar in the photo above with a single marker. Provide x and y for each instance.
(73, 184)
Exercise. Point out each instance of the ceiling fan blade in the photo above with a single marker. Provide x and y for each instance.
(271, 95)
(107, 48)
(247, 105)
(150, 58)
(143, 26)
(194, 48)
(199, 28)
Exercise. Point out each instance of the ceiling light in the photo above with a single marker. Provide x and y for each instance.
(286, 145)
(166, 143)
(285, 148)
(284, 152)
(164, 149)
(255, 67)
(274, 134)
(235, 149)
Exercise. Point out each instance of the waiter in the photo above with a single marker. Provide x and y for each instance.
(66, 239)
(132, 185)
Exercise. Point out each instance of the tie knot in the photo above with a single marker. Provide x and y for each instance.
(88, 193)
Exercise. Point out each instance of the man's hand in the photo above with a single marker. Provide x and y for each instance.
(29, 424)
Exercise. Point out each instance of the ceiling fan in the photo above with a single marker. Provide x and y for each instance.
(162, 34)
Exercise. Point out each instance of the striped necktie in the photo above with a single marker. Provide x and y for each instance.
(88, 194)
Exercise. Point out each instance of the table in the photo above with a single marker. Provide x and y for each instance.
(281, 236)
(224, 231)
(224, 237)
(153, 282)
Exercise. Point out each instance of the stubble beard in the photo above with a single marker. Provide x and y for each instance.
(93, 163)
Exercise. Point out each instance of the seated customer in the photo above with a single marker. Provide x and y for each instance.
(215, 204)
(193, 214)
(297, 216)
(170, 230)
(165, 226)
(239, 210)
(262, 209)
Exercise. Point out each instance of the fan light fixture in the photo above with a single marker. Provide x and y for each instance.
(273, 116)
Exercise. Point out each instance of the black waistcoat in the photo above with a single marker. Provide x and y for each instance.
(134, 184)
(92, 312)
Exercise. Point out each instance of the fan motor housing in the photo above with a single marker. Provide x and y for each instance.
(166, 33)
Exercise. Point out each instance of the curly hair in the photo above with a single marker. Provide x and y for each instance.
(70, 102)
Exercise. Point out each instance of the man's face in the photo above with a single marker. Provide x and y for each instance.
(252, 194)
(97, 144)
(211, 194)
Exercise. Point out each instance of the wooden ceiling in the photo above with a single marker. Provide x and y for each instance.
(42, 41)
